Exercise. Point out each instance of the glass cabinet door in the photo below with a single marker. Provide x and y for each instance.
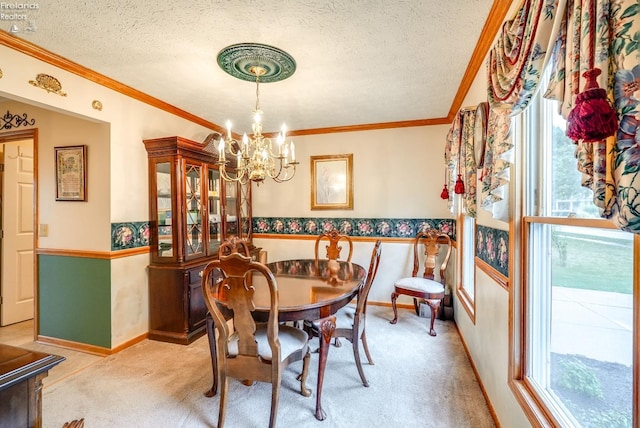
(214, 210)
(194, 238)
(163, 208)
(231, 208)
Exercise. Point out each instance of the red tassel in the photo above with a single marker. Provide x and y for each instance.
(445, 192)
(592, 118)
(459, 189)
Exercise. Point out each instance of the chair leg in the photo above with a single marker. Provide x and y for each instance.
(224, 384)
(275, 396)
(434, 305)
(211, 336)
(303, 377)
(356, 355)
(394, 296)
(363, 337)
(416, 306)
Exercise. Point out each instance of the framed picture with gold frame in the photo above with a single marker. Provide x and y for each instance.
(71, 173)
(332, 182)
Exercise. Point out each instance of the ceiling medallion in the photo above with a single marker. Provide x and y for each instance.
(241, 59)
(48, 83)
(97, 105)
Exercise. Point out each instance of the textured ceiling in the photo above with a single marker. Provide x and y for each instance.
(359, 62)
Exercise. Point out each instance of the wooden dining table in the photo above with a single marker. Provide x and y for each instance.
(308, 290)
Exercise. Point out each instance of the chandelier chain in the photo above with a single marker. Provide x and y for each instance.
(257, 93)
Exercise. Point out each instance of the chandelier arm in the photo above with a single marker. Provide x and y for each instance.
(223, 172)
(244, 179)
(272, 172)
(230, 147)
(286, 177)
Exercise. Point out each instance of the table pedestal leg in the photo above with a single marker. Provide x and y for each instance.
(327, 327)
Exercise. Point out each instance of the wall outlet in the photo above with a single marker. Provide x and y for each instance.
(43, 230)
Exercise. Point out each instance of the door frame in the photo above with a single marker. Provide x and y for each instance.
(32, 134)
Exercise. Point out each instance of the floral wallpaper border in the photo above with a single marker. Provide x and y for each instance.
(135, 234)
(131, 234)
(492, 247)
(369, 227)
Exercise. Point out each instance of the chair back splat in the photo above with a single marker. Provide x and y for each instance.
(431, 240)
(424, 288)
(333, 250)
(234, 245)
(258, 351)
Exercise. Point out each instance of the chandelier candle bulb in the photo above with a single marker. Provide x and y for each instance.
(280, 141)
(293, 152)
(245, 143)
(221, 149)
(229, 129)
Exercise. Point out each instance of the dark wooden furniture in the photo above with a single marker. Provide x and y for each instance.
(333, 250)
(350, 322)
(425, 288)
(305, 293)
(255, 350)
(192, 210)
(21, 374)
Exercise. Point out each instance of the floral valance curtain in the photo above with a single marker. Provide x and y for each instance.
(460, 160)
(610, 168)
(514, 68)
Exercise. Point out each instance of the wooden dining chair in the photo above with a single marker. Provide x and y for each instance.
(251, 350)
(350, 321)
(232, 245)
(333, 250)
(227, 247)
(424, 288)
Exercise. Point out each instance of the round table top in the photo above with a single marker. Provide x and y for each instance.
(310, 290)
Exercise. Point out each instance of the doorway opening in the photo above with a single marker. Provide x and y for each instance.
(18, 216)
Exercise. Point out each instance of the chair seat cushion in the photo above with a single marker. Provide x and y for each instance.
(420, 284)
(292, 339)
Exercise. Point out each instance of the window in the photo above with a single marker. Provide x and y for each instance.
(466, 285)
(577, 291)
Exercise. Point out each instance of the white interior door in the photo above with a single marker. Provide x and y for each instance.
(16, 280)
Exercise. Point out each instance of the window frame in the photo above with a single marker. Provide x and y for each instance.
(527, 200)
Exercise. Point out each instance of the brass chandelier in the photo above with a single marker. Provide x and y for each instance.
(256, 157)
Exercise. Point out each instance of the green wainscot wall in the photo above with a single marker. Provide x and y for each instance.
(75, 299)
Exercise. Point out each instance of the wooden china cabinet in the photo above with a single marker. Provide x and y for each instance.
(192, 210)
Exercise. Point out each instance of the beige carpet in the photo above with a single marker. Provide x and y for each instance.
(417, 381)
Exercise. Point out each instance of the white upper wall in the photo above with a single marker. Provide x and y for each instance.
(397, 173)
(117, 160)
